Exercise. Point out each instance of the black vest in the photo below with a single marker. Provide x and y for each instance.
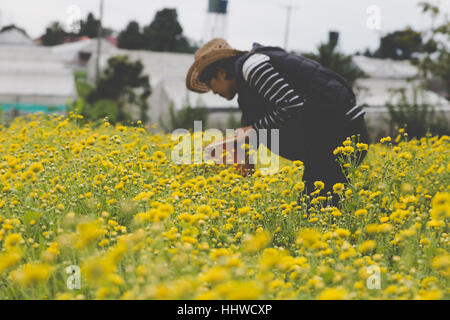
(328, 97)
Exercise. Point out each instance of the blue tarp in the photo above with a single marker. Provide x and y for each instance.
(30, 108)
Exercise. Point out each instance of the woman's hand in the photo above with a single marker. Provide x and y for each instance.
(247, 168)
(240, 136)
(241, 133)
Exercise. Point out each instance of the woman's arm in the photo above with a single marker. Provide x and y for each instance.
(266, 81)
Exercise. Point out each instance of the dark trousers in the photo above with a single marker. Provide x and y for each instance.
(322, 164)
(312, 139)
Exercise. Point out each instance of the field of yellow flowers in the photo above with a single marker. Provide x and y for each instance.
(109, 200)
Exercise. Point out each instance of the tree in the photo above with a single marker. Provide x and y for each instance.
(166, 34)
(89, 27)
(400, 45)
(131, 37)
(418, 117)
(54, 34)
(124, 83)
(336, 61)
(366, 53)
(436, 56)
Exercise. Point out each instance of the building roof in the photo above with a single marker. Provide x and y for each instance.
(12, 35)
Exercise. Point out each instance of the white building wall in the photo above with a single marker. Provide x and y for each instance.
(31, 74)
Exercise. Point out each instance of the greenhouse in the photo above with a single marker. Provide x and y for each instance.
(32, 78)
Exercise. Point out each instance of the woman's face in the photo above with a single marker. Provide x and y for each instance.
(222, 86)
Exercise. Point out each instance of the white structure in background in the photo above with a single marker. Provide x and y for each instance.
(375, 91)
(167, 73)
(31, 77)
(13, 36)
(77, 54)
(385, 74)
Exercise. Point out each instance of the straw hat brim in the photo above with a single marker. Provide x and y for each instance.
(192, 79)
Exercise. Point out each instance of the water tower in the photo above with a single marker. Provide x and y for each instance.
(216, 19)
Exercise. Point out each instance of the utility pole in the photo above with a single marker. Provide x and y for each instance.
(99, 43)
(288, 23)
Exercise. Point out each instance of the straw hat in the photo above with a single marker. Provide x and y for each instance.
(214, 50)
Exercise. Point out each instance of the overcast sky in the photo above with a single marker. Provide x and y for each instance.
(248, 21)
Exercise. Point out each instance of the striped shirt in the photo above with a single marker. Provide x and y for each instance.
(260, 75)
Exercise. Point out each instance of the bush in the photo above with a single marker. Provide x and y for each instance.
(184, 118)
(103, 108)
(123, 81)
(418, 118)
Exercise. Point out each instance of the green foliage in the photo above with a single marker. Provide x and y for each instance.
(164, 33)
(184, 118)
(400, 45)
(123, 82)
(131, 38)
(441, 68)
(97, 112)
(102, 109)
(89, 27)
(121, 87)
(418, 118)
(83, 88)
(81, 84)
(80, 75)
(55, 34)
(437, 61)
(428, 49)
